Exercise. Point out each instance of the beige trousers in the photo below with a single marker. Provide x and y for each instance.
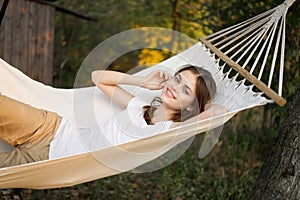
(29, 130)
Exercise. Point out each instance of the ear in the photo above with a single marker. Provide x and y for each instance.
(189, 108)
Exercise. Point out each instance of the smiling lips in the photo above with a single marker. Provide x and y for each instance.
(170, 94)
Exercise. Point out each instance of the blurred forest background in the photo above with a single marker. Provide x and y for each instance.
(230, 170)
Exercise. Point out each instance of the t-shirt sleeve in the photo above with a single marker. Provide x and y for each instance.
(136, 111)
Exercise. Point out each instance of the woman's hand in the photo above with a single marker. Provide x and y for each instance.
(155, 80)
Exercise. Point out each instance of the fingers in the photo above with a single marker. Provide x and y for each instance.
(163, 83)
(156, 80)
(164, 75)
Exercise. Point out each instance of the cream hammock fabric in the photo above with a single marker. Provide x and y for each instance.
(232, 92)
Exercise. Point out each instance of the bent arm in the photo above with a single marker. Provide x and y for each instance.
(108, 77)
(108, 82)
(212, 111)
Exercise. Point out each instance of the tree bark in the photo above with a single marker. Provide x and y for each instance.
(280, 174)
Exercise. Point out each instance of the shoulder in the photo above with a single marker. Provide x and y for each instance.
(135, 108)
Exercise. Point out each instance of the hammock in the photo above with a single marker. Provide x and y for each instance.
(233, 92)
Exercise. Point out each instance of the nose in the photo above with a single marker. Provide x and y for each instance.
(175, 88)
(174, 85)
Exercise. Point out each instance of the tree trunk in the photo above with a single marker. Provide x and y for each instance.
(280, 174)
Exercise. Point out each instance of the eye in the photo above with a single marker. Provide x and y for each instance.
(177, 79)
(186, 91)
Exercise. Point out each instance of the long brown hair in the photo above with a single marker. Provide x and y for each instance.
(205, 91)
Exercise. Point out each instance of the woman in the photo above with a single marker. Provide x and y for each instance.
(37, 134)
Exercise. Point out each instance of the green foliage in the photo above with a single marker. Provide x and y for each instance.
(229, 173)
(75, 37)
(230, 170)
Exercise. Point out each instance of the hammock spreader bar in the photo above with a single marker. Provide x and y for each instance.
(243, 72)
(243, 45)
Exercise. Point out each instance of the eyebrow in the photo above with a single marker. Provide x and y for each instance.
(179, 77)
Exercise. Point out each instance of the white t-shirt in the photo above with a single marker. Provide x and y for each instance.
(126, 126)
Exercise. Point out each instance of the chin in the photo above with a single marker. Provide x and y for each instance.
(170, 103)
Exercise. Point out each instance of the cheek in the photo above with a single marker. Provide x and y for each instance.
(183, 102)
(186, 100)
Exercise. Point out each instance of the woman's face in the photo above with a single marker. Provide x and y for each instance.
(179, 92)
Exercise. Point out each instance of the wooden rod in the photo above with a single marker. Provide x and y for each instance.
(65, 10)
(251, 78)
(3, 9)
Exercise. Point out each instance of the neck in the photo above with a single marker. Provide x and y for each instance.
(161, 114)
